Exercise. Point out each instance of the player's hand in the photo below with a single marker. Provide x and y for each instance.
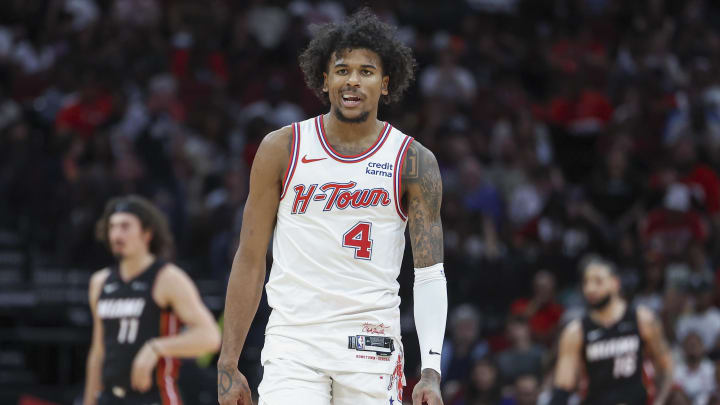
(143, 365)
(233, 387)
(427, 390)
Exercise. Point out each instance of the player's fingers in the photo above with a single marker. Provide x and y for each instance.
(435, 399)
(244, 396)
(134, 377)
(144, 381)
(417, 396)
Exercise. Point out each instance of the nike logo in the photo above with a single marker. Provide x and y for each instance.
(432, 352)
(594, 335)
(110, 288)
(139, 286)
(306, 160)
(624, 327)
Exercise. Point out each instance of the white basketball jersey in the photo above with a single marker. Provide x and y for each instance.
(337, 249)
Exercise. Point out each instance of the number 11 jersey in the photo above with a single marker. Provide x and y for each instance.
(130, 317)
(337, 249)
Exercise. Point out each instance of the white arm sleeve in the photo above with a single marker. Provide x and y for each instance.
(430, 306)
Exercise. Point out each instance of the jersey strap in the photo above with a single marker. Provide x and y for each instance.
(397, 177)
(292, 164)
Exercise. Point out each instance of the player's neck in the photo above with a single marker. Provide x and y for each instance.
(610, 314)
(131, 266)
(341, 132)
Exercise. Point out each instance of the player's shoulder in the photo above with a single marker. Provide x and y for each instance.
(274, 151)
(419, 161)
(98, 278)
(420, 150)
(645, 318)
(572, 331)
(644, 314)
(279, 139)
(171, 272)
(171, 283)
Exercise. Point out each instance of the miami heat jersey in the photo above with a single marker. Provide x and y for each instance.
(613, 361)
(337, 249)
(130, 318)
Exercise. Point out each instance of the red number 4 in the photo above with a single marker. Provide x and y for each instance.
(358, 238)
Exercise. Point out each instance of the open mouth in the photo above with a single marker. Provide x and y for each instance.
(349, 100)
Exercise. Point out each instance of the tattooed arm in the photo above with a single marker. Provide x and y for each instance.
(422, 187)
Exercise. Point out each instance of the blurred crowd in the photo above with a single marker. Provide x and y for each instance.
(562, 128)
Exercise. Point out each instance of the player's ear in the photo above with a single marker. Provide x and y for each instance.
(325, 83)
(147, 236)
(384, 86)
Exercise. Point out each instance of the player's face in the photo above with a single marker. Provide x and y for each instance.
(126, 235)
(599, 285)
(354, 83)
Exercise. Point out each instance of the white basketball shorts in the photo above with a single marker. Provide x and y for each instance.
(290, 382)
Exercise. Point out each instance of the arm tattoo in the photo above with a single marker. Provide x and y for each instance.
(423, 194)
(410, 166)
(225, 382)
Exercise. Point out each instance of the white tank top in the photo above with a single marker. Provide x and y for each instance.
(337, 249)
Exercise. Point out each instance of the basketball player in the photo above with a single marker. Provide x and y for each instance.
(136, 305)
(335, 192)
(610, 341)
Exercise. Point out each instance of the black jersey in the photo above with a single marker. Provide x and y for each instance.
(613, 361)
(130, 317)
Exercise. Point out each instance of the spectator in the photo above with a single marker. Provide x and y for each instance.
(615, 190)
(652, 284)
(700, 177)
(673, 228)
(696, 373)
(704, 318)
(85, 112)
(692, 272)
(567, 230)
(542, 309)
(523, 356)
(526, 391)
(447, 80)
(464, 346)
(481, 196)
(482, 387)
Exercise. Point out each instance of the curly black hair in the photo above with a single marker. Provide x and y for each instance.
(362, 30)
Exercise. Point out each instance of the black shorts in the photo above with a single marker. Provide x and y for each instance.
(108, 397)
